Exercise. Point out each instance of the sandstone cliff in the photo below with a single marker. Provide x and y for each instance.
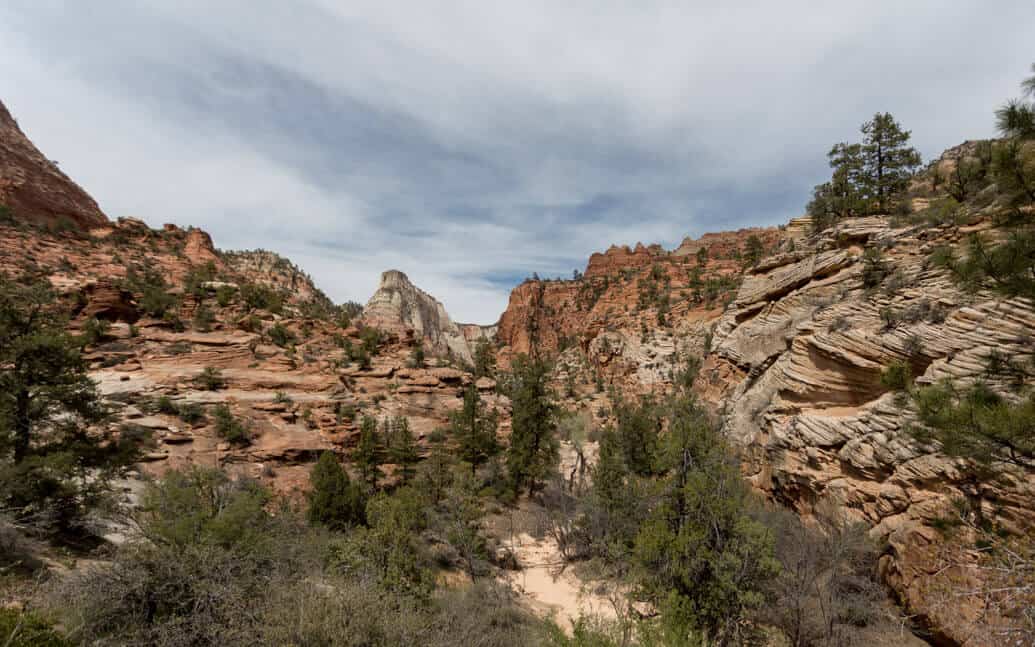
(398, 305)
(33, 189)
(636, 314)
(795, 375)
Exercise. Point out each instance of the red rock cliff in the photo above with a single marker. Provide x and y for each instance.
(34, 189)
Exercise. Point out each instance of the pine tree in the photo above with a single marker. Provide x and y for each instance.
(368, 454)
(705, 562)
(753, 250)
(474, 430)
(51, 470)
(639, 428)
(845, 191)
(402, 446)
(533, 449)
(1016, 119)
(888, 162)
(484, 359)
(335, 501)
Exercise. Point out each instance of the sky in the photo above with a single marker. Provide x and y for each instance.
(470, 144)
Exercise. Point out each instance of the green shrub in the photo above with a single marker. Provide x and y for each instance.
(896, 376)
(210, 379)
(203, 318)
(191, 412)
(225, 295)
(229, 427)
(7, 216)
(94, 330)
(262, 297)
(172, 319)
(371, 338)
(165, 405)
(345, 412)
(24, 629)
(875, 269)
(281, 335)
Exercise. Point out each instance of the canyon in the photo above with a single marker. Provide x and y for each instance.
(790, 347)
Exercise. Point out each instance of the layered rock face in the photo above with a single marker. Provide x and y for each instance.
(795, 375)
(34, 189)
(398, 305)
(636, 314)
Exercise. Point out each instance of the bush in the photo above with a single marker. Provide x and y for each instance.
(191, 413)
(210, 379)
(23, 629)
(229, 428)
(225, 295)
(827, 593)
(371, 338)
(172, 319)
(154, 298)
(281, 335)
(94, 330)
(896, 376)
(165, 405)
(875, 269)
(203, 318)
(261, 297)
(214, 568)
(386, 552)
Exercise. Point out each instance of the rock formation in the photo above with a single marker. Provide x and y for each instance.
(795, 374)
(637, 314)
(33, 189)
(398, 305)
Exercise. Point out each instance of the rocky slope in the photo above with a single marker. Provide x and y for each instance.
(164, 305)
(795, 374)
(285, 372)
(275, 271)
(635, 315)
(33, 188)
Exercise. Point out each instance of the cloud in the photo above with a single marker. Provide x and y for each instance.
(473, 143)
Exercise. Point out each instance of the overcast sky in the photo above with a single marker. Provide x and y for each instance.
(472, 143)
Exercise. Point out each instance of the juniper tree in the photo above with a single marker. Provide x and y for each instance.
(484, 359)
(753, 250)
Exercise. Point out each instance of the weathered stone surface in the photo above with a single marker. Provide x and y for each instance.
(795, 373)
(399, 305)
(33, 187)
